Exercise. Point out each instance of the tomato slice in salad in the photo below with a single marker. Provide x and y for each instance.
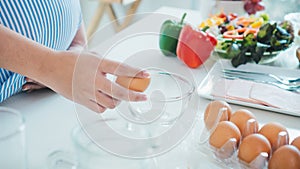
(239, 33)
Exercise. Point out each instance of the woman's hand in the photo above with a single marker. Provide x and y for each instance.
(82, 78)
(32, 85)
(79, 77)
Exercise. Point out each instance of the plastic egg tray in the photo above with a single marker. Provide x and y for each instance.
(227, 155)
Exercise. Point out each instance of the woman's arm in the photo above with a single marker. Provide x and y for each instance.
(77, 77)
(78, 44)
(22, 55)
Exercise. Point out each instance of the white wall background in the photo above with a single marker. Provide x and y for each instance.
(89, 7)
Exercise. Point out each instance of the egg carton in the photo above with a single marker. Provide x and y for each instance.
(227, 155)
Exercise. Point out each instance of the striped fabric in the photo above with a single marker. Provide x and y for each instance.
(52, 23)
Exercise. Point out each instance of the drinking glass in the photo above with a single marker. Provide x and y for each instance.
(88, 154)
(12, 139)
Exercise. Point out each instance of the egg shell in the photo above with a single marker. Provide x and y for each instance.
(296, 142)
(285, 157)
(240, 119)
(212, 112)
(271, 132)
(136, 84)
(224, 131)
(252, 146)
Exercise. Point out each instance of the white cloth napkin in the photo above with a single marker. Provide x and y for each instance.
(258, 93)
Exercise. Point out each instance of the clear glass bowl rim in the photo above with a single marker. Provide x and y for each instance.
(189, 92)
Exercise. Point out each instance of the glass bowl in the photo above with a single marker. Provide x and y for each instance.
(168, 97)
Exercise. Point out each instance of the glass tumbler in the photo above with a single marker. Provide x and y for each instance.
(88, 154)
(12, 139)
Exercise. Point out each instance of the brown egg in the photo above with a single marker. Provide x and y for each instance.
(272, 131)
(296, 142)
(252, 146)
(241, 118)
(136, 84)
(285, 157)
(212, 113)
(224, 131)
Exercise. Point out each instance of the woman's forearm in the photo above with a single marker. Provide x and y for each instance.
(79, 44)
(26, 57)
(21, 55)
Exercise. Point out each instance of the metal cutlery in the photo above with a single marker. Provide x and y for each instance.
(283, 80)
(291, 88)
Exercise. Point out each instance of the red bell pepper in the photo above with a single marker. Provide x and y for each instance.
(194, 46)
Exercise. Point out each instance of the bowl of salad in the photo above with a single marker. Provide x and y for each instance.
(249, 38)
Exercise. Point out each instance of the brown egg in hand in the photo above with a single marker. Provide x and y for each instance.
(242, 119)
(252, 146)
(212, 111)
(135, 84)
(276, 133)
(285, 157)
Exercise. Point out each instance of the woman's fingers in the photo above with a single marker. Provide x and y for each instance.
(96, 107)
(106, 101)
(29, 80)
(31, 86)
(116, 91)
(102, 102)
(105, 94)
(121, 69)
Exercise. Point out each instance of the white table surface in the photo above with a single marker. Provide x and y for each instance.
(50, 117)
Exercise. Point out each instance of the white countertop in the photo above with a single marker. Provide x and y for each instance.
(50, 117)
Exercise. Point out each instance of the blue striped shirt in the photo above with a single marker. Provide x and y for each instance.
(52, 23)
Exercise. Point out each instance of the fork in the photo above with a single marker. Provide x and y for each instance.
(295, 89)
(283, 80)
